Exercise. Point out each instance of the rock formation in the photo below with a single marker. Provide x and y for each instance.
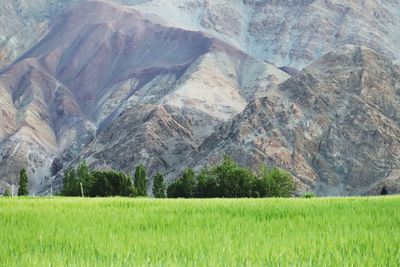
(335, 126)
(102, 61)
(176, 83)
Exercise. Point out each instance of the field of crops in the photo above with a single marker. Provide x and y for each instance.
(247, 232)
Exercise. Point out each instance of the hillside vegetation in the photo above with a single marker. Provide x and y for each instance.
(227, 180)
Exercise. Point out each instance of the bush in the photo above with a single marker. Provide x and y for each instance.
(185, 186)
(256, 194)
(175, 189)
(7, 192)
(234, 181)
(259, 188)
(308, 195)
(278, 183)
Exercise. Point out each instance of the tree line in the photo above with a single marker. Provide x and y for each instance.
(226, 180)
(229, 180)
(103, 183)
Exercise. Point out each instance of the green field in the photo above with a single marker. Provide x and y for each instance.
(243, 232)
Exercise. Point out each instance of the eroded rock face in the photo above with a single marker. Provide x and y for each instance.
(24, 22)
(100, 60)
(335, 126)
(159, 136)
(295, 33)
(285, 32)
(56, 166)
(129, 81)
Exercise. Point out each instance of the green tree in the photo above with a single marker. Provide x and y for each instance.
(102, 186)
(85, 177)
(23, 183)
(111, 183)
(184, 186)
(71, 183)
(207, 186)
(259, 188)
(141, 180)
(7, 192)
(96, 183)
(73, 178)
(229, 180)
(278, 182)
(159, 186)
(188, 183)
(175, 189)
(234, 181)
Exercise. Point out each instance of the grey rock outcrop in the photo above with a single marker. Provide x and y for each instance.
(100, 60)
(286, 32)
(335, 126)
(177, 83)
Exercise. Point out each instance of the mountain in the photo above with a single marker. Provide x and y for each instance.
(335, 126)
(101, 62)
(24, 22)
(285, 32)
(179, 83)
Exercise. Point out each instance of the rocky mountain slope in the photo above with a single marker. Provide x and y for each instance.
(100, 61)
(335, 126)
(285, 32)
(122, 82)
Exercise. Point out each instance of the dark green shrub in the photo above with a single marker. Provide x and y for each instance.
(308, 195)
(7, 192)
(234, 181)
(207, 186)
(184, 187)
(278, 182)
(175, 189)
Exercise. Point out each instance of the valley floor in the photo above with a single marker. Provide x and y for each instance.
(216, 232)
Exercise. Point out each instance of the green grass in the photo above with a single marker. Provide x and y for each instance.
(247, 232)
